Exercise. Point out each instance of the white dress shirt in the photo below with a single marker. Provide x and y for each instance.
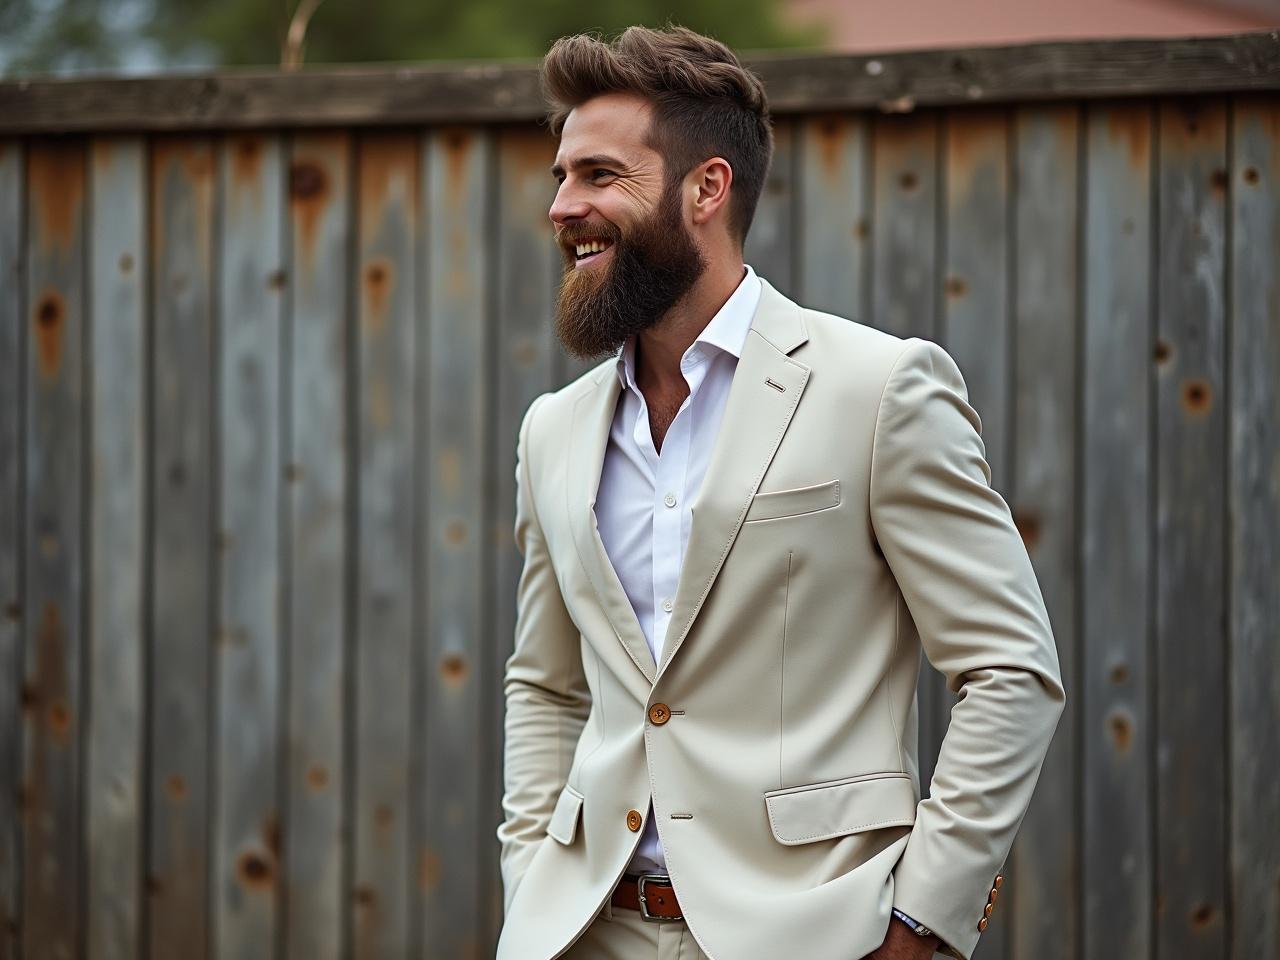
(642, 506)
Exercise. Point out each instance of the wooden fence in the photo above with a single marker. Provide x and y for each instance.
(264, 345)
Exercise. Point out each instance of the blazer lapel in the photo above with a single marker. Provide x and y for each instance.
(766, 388)
(588, 440)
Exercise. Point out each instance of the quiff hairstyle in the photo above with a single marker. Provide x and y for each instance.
(705, 103)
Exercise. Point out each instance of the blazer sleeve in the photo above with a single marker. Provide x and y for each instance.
(547, 699)
(968, 585)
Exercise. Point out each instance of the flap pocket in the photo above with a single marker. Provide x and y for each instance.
(564, 819)
(794, 502)
(820, 811)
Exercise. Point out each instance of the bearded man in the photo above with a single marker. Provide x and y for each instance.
(739, 532)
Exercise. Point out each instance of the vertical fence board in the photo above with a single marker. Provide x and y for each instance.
(117, 562)
(388, 199)
(904, 266)
(1045, 909)
(524, 368)
(975, 322)
(458, 178)
(832, 242)
(318, 504)
(246, 838)
(769, 241)
(1190, 519)
(1254, 510)
(182, 238)
(52, 727)
(1115, 534)
(12, 193)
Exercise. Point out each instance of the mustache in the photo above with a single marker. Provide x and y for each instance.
(574, 233)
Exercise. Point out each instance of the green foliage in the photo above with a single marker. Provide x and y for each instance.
(42, 35)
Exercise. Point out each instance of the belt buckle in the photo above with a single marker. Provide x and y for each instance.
(644, 903)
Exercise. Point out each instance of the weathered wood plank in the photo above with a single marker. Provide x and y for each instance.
(115, 739)
(1114, 703)
(975, 327)
(458, 174)
(1045, 909)
(1191, 839)
(524, 367)
(769, 247)
(246, 838)
(52, 725)
(182, 220)
(12, 407)
(1254, 511)
(797, 83)
(833, 232)
(319, 502)
(904, 268)
(386, 581)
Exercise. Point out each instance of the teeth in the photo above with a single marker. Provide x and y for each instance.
(593, 246)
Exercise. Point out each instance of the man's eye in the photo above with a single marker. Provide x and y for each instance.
(600, 172)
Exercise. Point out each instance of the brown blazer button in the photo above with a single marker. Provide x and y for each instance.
(991, 898)
(659, 713)
(982, 924)
(633, 820)
(999, 880)
(988, 908)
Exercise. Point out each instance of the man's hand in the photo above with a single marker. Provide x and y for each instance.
(901, 943)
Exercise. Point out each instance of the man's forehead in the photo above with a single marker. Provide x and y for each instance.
(615, 125)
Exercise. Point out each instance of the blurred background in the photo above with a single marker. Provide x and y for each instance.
(138, 36)
(266, 338)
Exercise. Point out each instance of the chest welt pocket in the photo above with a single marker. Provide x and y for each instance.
(833, 808)
(776, 504)
(564, 819)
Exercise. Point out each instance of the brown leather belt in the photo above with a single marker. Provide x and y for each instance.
(651, 894)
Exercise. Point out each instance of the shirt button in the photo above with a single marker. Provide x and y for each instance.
(669, 499)
(633, 820)
(667, 605)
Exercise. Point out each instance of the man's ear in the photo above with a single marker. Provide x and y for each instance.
(710, 182)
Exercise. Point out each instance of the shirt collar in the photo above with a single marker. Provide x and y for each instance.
(726, 331)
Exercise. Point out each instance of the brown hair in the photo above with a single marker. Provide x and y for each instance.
(706, 104)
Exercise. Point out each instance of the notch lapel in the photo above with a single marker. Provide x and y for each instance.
(588, 441)
(766, 389)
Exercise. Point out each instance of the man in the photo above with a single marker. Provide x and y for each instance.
(738, 534)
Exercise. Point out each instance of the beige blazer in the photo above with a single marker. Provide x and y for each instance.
(845, 523)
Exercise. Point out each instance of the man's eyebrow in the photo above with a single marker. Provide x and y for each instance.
(595, 160)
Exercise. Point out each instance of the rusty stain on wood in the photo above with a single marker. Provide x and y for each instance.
(1121, 729)
(57, 174)
(317, 777)
(126, 263)
(455, 533)
(453, 670)
(246, 159)
(309, 195)
(1197, 397)
(1162, 351)
(1119, 674)
(908, 180)
(1131, 126)
(379, 275)
(833, 131)
(1203, 916)
(176, 787)
(254, 871)
(50, 313)
(956, 287)
(51, 682)
(428, 870)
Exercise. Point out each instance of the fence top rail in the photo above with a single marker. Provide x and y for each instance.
(400, 94)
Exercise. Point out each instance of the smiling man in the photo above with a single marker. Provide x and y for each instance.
(740, 531)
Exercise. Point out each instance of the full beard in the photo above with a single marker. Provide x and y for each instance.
(652, 269)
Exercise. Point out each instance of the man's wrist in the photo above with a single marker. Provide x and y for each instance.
(915, 925)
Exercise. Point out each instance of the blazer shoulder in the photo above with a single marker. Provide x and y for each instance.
(556, 406)
(853, 344)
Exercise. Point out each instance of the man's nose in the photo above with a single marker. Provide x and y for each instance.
(567, 207)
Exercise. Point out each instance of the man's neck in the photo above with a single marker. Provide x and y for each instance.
(660, 348)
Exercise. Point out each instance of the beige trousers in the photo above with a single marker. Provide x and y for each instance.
(621, 934)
